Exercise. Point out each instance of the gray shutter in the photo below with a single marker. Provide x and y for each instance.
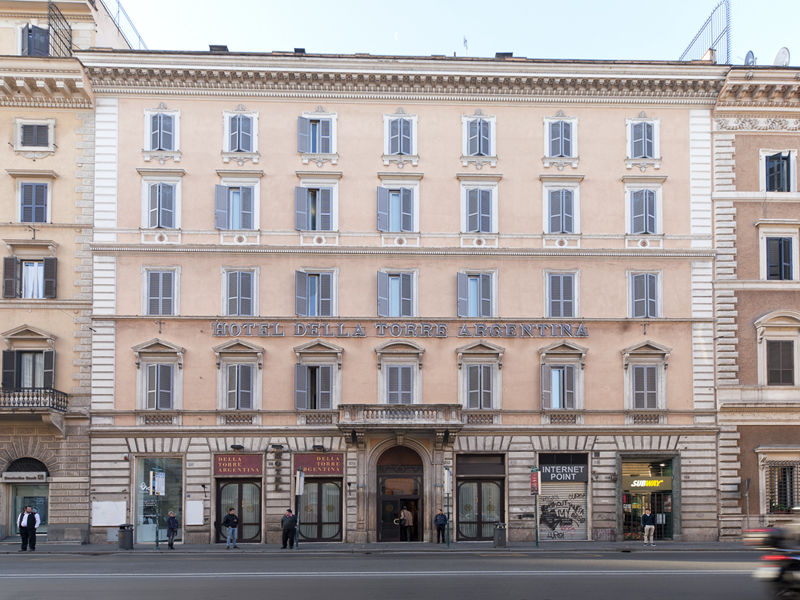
(383, 294)
(652, 298)
(29, 135)
(392, 384)
(486, 211)
(555, 295)
(11, 277)
(9, 381)
(154, 293)
(485, 139)
(473, 137)
(406, 209)
(555, 138)
(50, 268)
(166, 216)
(569, 386)
(246, 196)
(649, 148)
(486, 386)
(49, 369)
(325, 140)
(639, 307)
(325, 209)
(152, 385)
(568, 282)
(220, 207)
(36, 41)
(232, 292)
(462, 282)
(637, 139)
(27, 211)
(383, 208)
(153, 205)
(303, 134)
(486, 295)
(394, 136)
(246, 293)
(546, 383)
(652, 393)
(167, 292)
(406, 385)
(406, 295)
(167, 132)
(650, 211)
(325, 387)
(301, 293)
(164, 387)
(40, 202)
(325, 294)
(245, 381)
(155, 128)
(41, 135)
(246, 133)
(233, 139)
(566, 138)
(473, 386)
(232, 385)
(405, 136)
(638, 212)
(300, 387)
(567, 204)
(473, 210)
(301, 208)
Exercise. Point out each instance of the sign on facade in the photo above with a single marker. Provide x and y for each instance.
(227, 465)
(319, 463)
(566, 473)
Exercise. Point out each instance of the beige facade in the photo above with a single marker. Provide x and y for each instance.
(757, 207)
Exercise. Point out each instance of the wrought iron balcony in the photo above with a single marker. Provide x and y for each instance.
(31, 398)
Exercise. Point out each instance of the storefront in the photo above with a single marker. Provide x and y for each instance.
(238, 486)
(27, 479)
(480, 498)
(563, 513)
(159, 490)
(647, 484)
(320, 512)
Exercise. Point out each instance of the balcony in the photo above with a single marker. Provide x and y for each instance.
(393, 417)
(48, 404)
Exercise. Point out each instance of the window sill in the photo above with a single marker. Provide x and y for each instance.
(319, 159)
(238, 417)
(34, 152)
(400, 239)
(561, 161)
(562, 416)
(477, 416)
(239, 237)
(644, 240)
(317, 417)
(161, 236)
(240, 157)
(479, 240)
(400, 159)
(161, 156)
(561, 240)
(152, 417)
(643, 163)
(645, 416)
(479, 161)
(319, 238)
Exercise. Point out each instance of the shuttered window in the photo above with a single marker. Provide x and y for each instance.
(395, 294)
(645, 386)
(159, 386)
(401, 136)
(161, 205)
(33, 203)
(313, 294)
(778, 166)
(35, 136)
(780, 362)
(560, 136)
(162, 132)
(480, 386)
(642, 140)
(561, 288)
(35, 41)
(241, 133)
(644, 295)
(239, 388)
(779, 258)
(240, 293)
(643, 212)
(558, 386)
(479, 137)
(313, 387)
(474, 294)
(313, 209)
(395, 209)
(399, 384)
(479, 210)
(160, 292)
(24, 369)
(234, 207)
(30, 278)
(561, 211)
(314, 136)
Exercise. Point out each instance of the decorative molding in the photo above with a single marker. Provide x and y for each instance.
(479, 161)
(240, 157)
(319, 159)
(756, 124)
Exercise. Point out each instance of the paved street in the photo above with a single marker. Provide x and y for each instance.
(308, 574)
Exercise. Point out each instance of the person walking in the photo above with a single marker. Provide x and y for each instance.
(440, 521)
(28, 522)
(172, 530)
(231, 521)
(649, 524)
(406, 523)
(288, 529)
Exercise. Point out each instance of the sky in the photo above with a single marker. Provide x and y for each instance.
(576, 29)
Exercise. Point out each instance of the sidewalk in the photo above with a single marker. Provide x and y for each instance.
(11, 546)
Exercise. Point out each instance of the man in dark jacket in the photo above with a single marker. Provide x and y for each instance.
(172, 530)
(289, 529)
(649, 524)
(231, 521)
(440, 520)
(28, 522)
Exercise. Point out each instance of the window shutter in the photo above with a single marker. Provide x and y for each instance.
(637, 140)
(325, 209)
(155, 132)
(325, 294)
(486, 386)
(406, 385)
(383, 209)
(9, 370)
(301, 209)
(650, 211)
(50, 268)
(164, 387)
(485, 140)
(556, 295)
(473, 386)
(392, 384)
(166, 216)
(301, 293)
(232, 385)
(639, 302)
(246, 294)
(11, 277)
(638, 387)
(245, 133)
(473, 137)
(167, 141)
(153, 293)
(568, 295)
(35, 41)
(473, 210)
(405, 136)
(167, 292)
(41, 135)
(233, 137)
(232, 292)
(246, 196)
(773, 258)
(556, 214)
(786, 258)
(652, 298)
(638, 212)
(486, 211)
(220, 207)
(649, 149)
(245, 386)
(651, 387)
(324, 402)
(567, 211)
(152, 386)
(566, 138)
(406, 209)
(28, 135)
(383, 294)
(303, 134)
(462, 283)
(49, 369)
(325, 139)
(555, 138)
(406, 295)
(153, 205)
(394, 136)
(569, 386)
(546, 385)
(40, 202)
(27, 203)
(486, 295)
(300, 387)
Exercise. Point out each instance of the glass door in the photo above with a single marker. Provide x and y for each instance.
(321, 511)
(244, 496)
(34, 496)
(480, 506)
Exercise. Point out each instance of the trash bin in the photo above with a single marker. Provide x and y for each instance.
(126, 536)
(499, 535)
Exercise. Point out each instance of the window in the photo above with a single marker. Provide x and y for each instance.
(643, 212)
(34, 136)
(161, 205)
(241, 133)
(240, 293)
(475, 293)
(314, 294)
(28, 369)
(561, 297)
(479, 367)
(33, 207)
(642, 140)
(400, 384)
(234, 207)
(395, 294)
(239, 386)
(159, 386)
(559, 139)
(160, 292)
(480, 386)
(782, 486)
(313, 387)
(780, 362)
(644, 295)
(396, 209)
(162, 132)
(400, 138)
(29, 278)
(160, 382)
(779, 258)
(778, 171)
(399, 372)
(561, 211)
(778, 250)
(558, 386)
(479, 136)
(313, 208)
(315, 135)
(35, 41)
(645, 366)
(645, 386)
(479, 210)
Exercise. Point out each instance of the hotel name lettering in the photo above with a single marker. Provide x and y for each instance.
(398, 329)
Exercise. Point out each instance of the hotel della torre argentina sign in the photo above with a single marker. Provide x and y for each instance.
(397, 329)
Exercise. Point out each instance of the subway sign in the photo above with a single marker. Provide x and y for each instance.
(644, 484)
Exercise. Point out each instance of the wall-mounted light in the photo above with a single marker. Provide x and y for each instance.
(277, 447)
(237, 447)
(318, 448)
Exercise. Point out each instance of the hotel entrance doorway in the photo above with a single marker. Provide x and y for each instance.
(399, 484)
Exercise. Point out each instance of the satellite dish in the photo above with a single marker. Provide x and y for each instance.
(750, 59)
(782, 57)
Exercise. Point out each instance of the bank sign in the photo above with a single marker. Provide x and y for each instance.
(405, 329)
(566, 473)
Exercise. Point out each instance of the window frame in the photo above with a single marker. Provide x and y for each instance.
(657, 189)
(576, 284)
(399, 353)
(781, 325)
(646, 354)
(176, 133)
(15, 263)
(574, 154)
(557, 355)
(334, 301)
(233, 353)
(227, 116)
(318, 184)
(659, 307)
(492, 137)
(778, 230)
(413, 275)
(492, 188)
(254, 183)
(19, 147)
(225, 300)
(48, 183)
(413, 155)
(320, 157)
(175, 270)
(395, 184)
(147, 182)
(493, 287)
(551, 186)
(629, 124)
(763, 154)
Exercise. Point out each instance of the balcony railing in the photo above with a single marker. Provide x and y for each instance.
(48, 398)
(423, 415)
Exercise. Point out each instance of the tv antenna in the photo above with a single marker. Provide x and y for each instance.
(750, 58)
(782, 57)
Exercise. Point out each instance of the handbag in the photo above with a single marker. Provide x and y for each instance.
(402, 522)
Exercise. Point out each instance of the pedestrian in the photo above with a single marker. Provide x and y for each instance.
(28, 522)
(406, 523)
(231, 521)
(172, 530)
(288, 529)
(440, 520)
(649, 524)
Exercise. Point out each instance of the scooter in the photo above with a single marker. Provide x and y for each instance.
(781, 571)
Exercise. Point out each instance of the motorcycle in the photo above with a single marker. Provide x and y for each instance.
(780, 567)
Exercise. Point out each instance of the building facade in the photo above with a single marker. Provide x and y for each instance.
(757, 219)
(417, 279)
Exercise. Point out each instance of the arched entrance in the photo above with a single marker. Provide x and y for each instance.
(28, 478)
(400, 476)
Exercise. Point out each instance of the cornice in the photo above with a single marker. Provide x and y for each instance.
(44, 82)
(756, 123)
(767, 87)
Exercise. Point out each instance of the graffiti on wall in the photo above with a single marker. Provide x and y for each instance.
(560, 518)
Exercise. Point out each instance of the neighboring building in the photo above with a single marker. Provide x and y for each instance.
(757, 279)
(398, 273)
(47, 120)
